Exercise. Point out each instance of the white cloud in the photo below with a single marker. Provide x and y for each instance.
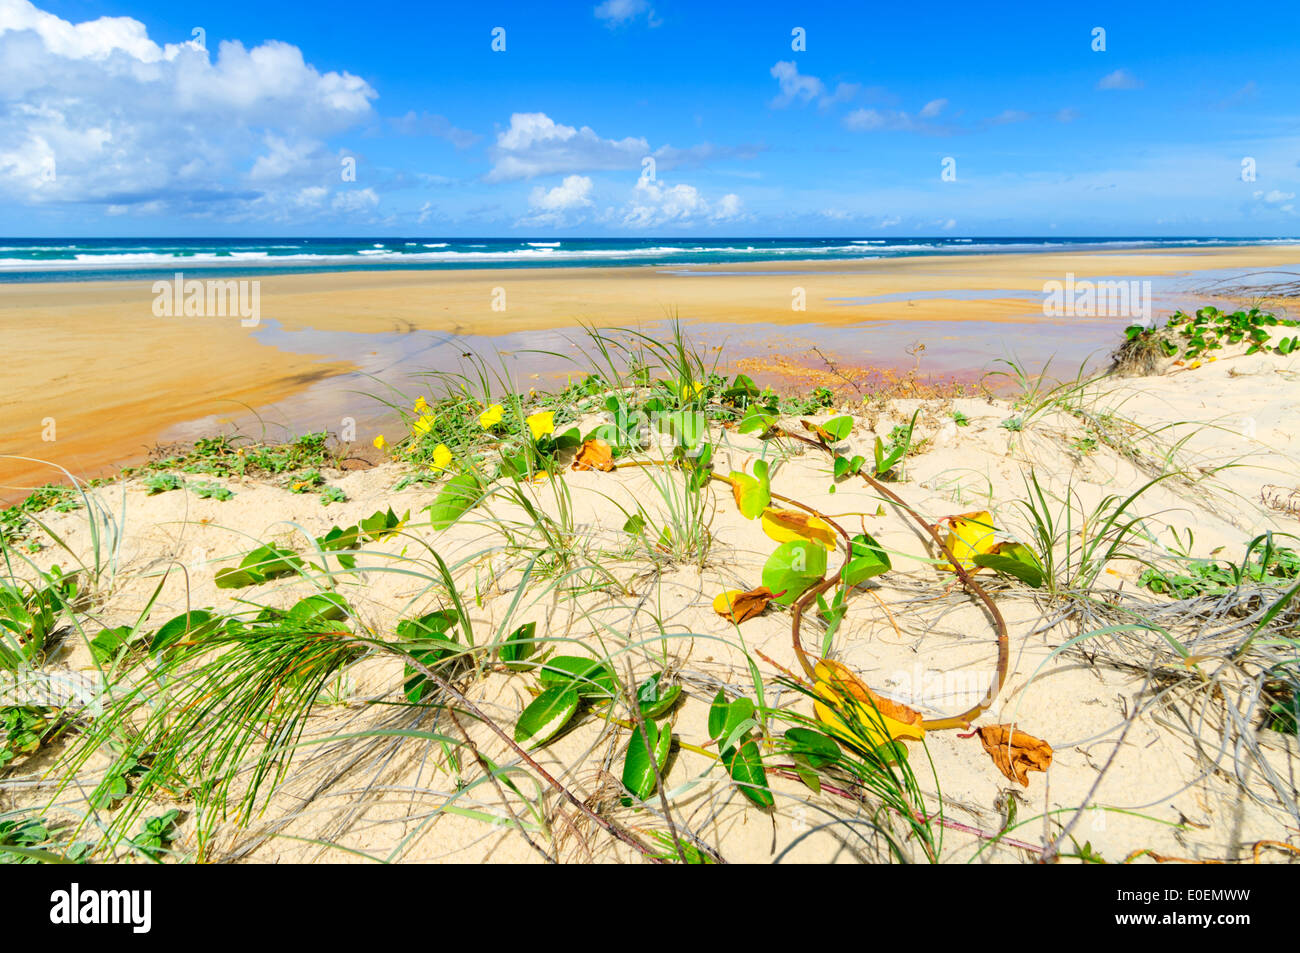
(727, 208)
(554, 207)
(795, 86)
(655, 204)
(573, 192)
(1119, 79)
(535, 144)
(124, 122)
(617, 12)
(873, 120)
(354, 200)
(311, 196)
(933, 108)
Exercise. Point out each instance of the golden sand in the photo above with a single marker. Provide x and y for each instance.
(92, 356)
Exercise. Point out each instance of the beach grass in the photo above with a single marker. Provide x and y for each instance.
(558, 651)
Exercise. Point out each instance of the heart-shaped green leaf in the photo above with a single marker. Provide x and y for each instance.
(868, 559)
(745, 765)
(322, 607)
(189, 626)
(1013, 559)
(817, 749)
(457, 496)
(793, 568)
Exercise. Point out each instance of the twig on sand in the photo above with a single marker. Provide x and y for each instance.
(1049, 855)
(609, 826)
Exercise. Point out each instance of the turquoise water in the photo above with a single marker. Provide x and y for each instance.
(84, 259)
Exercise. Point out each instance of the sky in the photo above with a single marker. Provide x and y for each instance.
(636, 118)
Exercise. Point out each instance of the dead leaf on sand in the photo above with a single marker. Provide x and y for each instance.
(738, 606)
(1014, 752)
(594, 455)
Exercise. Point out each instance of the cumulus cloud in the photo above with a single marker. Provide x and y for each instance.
(654, 204)
(97, 112)
(794, 85)
(800, 87)
(1119, 79)
(535, 144)
(554, 206)
(355, 200)
(1276, 197)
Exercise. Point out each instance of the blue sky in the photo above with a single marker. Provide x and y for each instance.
(340, 118)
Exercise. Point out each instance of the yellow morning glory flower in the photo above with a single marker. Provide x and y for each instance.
(423, 425)
(421, 405)
(441, 457)
(491, 417)
(380, 442)
(541, 423)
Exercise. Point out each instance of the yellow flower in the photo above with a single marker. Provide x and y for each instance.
(423, 425)
(441, 457)
(491, 417)
(380, 442)
(421, 405)
(542, 423)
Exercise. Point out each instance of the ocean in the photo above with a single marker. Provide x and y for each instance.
(85, 259)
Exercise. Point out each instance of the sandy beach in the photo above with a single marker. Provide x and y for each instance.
(138, 376)
(1150, 773)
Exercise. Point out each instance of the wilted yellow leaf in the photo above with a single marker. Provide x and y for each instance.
(874, 719)
(969, 535)
(752, 493)
(737, 606)
(785, 525)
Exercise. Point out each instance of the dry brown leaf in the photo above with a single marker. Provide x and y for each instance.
(594, 455)
(819, 430)
(1014, 752)
(737, 606)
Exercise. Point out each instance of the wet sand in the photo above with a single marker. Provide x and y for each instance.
(115, 379)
